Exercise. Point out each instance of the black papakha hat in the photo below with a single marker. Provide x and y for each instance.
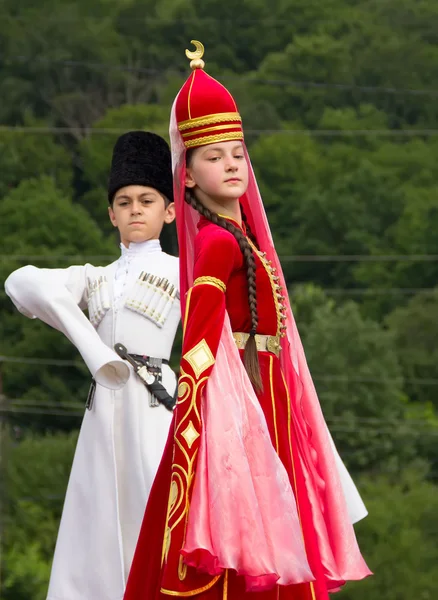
(141, 158)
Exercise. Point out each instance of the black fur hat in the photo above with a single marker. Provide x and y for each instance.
(141, 158)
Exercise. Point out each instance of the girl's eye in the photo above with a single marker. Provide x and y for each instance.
(239, 156)
(214, 158)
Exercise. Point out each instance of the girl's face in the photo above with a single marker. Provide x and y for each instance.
(218, 171)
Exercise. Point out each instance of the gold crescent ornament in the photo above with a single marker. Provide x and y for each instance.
(195, 57)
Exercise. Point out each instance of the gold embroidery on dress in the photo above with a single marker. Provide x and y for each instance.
(182, 569)
(190, 434)
(211, 281)
(200, 358)
(192, 592)
(280, 306)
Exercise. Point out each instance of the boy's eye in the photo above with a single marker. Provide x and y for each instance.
(123, 204)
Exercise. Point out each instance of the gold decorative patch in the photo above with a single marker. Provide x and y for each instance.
(190, 434)
(200, 358)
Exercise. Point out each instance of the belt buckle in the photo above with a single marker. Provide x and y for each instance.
(273, 344)
(239, 339)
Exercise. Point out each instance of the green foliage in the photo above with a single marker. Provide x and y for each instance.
(398, 538)
(354, 365)
(34, 475)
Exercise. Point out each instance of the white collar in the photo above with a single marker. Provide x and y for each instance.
(137, 248)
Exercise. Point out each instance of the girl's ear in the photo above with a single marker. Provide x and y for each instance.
(190, 182)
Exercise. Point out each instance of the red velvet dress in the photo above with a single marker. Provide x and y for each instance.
(220, 285)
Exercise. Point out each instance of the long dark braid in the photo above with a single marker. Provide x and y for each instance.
(250, 356)
(249, 233)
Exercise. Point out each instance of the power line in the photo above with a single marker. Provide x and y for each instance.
(359, 379)
(283, 258)
(315, 376)
(374, 291)
(334, 419)
(405, 430)
(227, 77)
(40, 361)
(330, 133)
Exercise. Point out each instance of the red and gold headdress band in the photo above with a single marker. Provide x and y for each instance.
(205, 110)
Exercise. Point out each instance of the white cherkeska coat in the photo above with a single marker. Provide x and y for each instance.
(122, 438)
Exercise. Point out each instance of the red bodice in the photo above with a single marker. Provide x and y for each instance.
(217, 254)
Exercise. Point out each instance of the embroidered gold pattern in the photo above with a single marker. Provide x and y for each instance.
(280, 306)
(211, 139)
(199, 358)
(182, 569)
(190, 434)
(209, 120)
(183, 390)
(192, 592)
(212, 281)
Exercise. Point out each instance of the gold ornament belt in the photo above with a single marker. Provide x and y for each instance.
(264, 343)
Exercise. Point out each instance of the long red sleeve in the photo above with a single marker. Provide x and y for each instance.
(216, 255)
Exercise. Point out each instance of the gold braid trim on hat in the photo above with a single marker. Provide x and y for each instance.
(210, 120)
(211, 139)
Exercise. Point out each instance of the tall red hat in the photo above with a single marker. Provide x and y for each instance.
(205, 110)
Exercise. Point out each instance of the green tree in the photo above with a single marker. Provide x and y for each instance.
(24, 155)
(53, 232)
(399, 538)
(358, 379)
(34, 482)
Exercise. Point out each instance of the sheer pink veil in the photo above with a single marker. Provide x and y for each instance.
(334, 499)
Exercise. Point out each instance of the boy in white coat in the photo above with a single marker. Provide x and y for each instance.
(134, 302)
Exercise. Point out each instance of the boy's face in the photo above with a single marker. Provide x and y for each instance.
(139, 213)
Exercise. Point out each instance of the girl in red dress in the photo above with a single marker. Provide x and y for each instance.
(251, 500)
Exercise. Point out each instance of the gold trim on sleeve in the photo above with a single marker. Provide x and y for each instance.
(211, 281)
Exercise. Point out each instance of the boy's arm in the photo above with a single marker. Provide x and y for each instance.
(56, 296)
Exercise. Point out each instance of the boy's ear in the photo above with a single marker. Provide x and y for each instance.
(170, 214)
(190, 182)
(112, 216)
